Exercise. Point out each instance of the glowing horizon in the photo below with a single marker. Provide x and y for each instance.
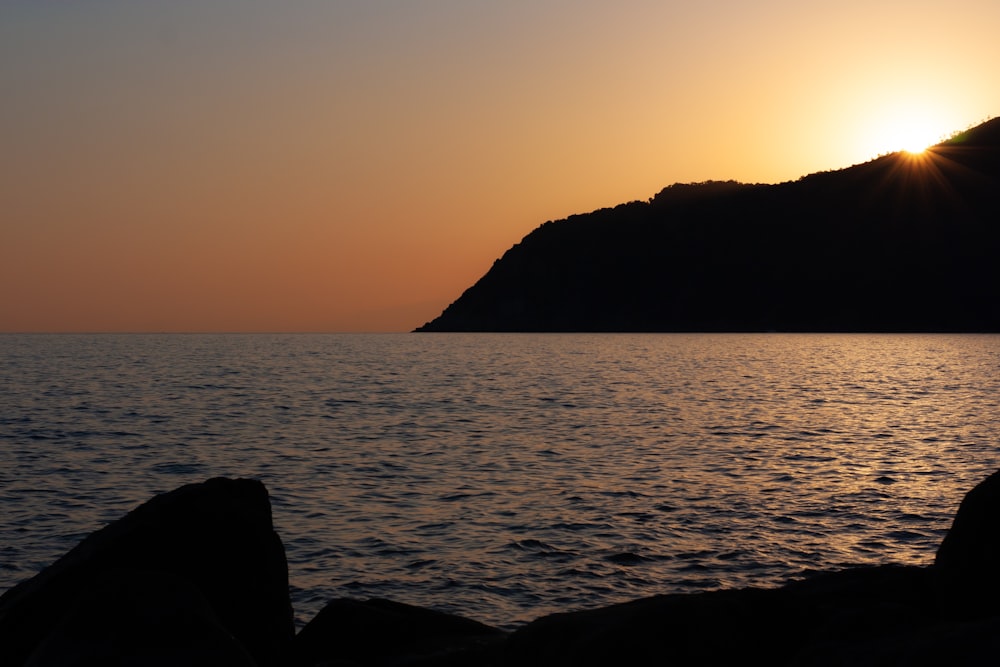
(355, 166)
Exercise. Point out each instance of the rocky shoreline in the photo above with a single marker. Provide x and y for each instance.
(198, 576)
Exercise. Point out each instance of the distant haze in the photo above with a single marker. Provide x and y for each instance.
(354, 165)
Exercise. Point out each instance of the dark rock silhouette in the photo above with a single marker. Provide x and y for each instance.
(382, 632)
(865, 616)
(972, 546)
(969, 555)
(887, 615)
(900, 243)
(216, 536)
(141, 618)
(143, 591)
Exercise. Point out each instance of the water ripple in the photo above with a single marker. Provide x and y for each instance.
(504, 476)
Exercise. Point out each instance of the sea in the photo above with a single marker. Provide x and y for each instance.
(507, 476)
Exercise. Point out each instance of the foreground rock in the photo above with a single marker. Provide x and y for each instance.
(866, 616)
(198, 577)
(890, 615)
(140, 618)
(970, 552)
(381, 632)
(202, 561)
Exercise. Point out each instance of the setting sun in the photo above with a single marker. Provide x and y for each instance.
(912, 130)
(914, 135)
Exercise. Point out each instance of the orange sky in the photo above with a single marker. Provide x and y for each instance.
(244, 165)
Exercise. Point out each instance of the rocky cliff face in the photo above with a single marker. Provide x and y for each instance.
(901, 243)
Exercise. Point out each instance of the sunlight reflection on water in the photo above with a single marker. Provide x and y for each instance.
(507, 476)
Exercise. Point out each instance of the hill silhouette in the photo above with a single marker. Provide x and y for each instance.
(902, 243)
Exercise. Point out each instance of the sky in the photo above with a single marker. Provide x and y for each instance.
(342, 165)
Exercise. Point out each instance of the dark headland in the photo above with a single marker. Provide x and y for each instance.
(198, 576)
(903, 243)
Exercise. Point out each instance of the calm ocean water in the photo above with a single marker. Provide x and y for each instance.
(503, 477)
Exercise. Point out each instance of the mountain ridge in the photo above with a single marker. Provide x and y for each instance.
(901, 243)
